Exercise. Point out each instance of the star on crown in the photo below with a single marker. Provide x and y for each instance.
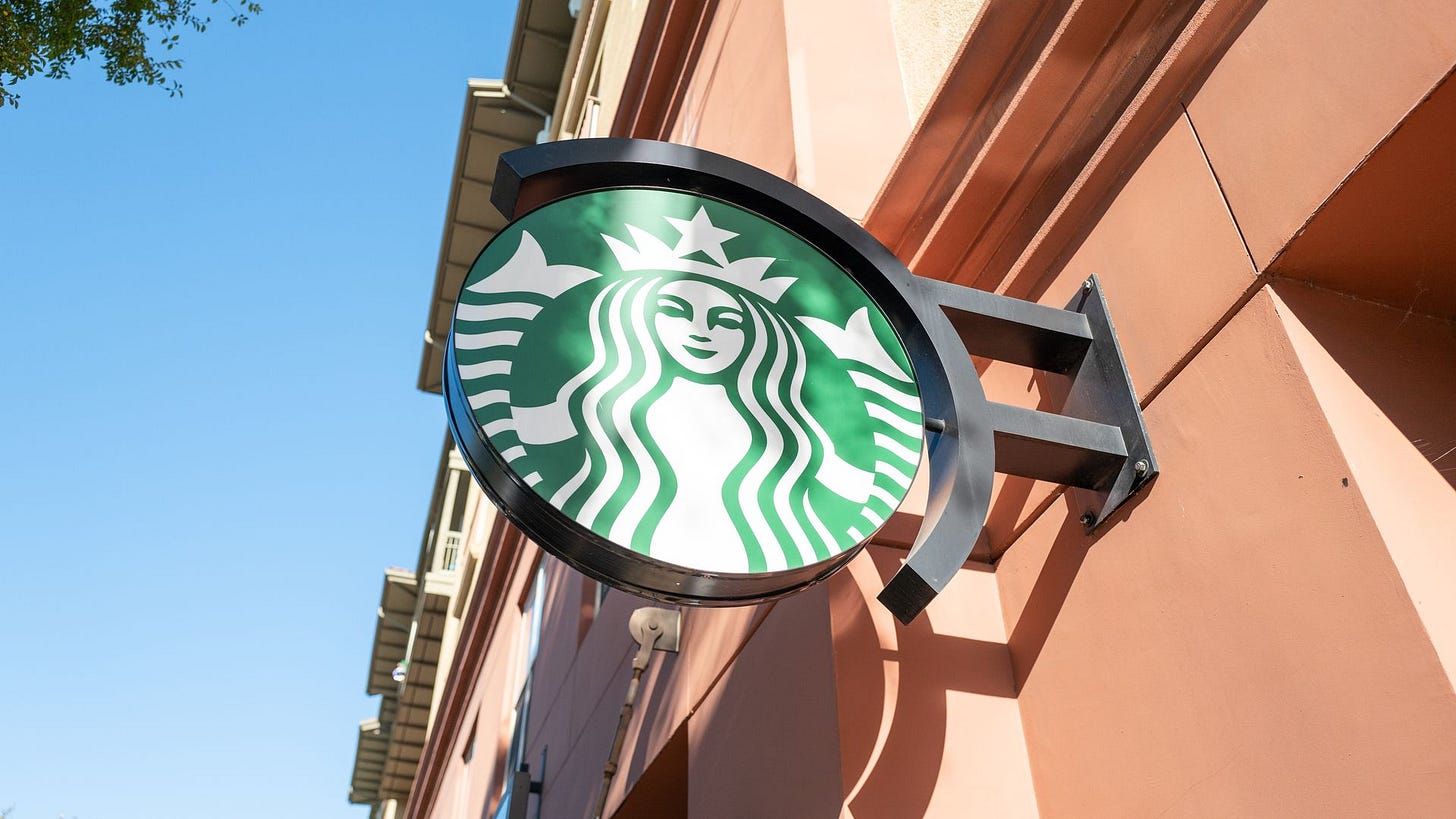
(698, 234)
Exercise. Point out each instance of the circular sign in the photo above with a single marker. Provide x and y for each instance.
(679, 396)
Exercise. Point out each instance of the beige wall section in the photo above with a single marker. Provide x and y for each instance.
(737, 99)
(1377, 374)
(619, 43)
(479, 517)
(849, 109)
(927, 35)
(1309, 89)
(928, 721)
(1230, 645)
(468, 786)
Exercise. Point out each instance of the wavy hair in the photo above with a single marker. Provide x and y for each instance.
(767, 493)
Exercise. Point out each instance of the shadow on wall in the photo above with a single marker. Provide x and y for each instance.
(762, 742)
(1058, 571)
(897, 683)
(1015, 500)
(661, 791)
(1405, 363)
(1044, 603)
(846, 676)
(894, 684)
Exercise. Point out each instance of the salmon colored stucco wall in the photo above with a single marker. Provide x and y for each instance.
(1268, 629)
(810, 90)
(1239, 642)
(762, 660)
(1171, 262)
(1305, 94)
(850, 112)
(1382, 377)
(737, 100)
(467, 786)
(928, 720)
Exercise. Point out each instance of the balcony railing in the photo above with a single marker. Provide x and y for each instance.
(449, 552)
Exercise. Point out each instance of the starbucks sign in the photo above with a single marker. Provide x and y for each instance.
(689, 381)
(677, 386)
(688, 378)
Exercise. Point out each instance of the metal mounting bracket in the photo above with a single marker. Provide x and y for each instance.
(1097, 445)
(655, 629)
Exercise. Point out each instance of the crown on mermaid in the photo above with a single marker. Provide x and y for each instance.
(647, 252)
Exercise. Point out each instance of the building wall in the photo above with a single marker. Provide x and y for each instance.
(474, 759)
(928, 719)
(736, 101)
(1267, 629)
(1260, 633)
(1239, 643)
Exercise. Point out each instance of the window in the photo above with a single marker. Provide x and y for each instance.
(593, 594)
(462, 787)
(450, 543)
(514, 787)
(469, 752)
(462, 494)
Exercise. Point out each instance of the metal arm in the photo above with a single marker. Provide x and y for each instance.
(1097, 444)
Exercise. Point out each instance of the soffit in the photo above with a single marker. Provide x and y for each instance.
(1387, 233)
(369, 756)
(391, 629)
(538, 50)
(1039, 119)
(499, 115)
(389, 747)
(412, 719)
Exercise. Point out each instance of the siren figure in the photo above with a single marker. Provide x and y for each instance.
(697, 447)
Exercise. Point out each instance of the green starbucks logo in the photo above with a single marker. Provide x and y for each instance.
(688, 380)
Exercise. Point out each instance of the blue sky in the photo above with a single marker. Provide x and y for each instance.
(211, 312)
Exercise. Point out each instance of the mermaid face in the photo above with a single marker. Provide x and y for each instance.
(699, 325)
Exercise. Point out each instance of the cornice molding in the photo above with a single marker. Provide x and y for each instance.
(673, 32)
(1045, 109)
